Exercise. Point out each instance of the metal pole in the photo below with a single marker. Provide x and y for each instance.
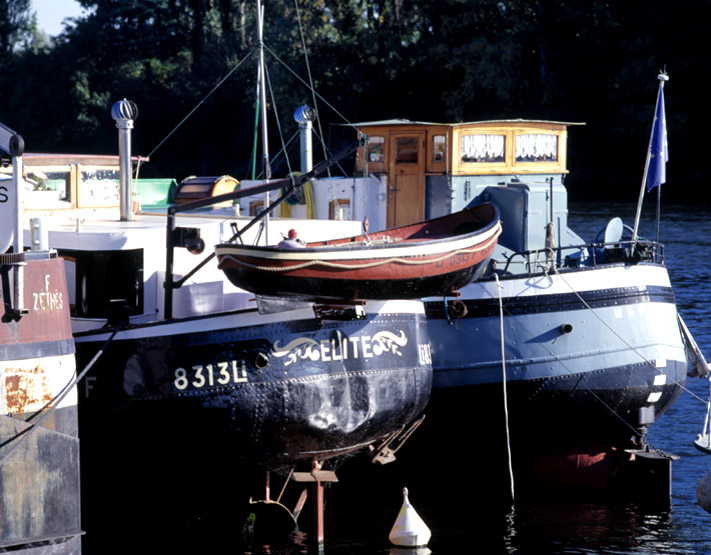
(18, 246)
(659, 209)
(124, 112)
(304, 116)
(306, 146)
(169, 258)
(266, 168)
(125, 171)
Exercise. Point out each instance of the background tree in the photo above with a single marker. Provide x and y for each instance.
(18, 26)
(592, 61)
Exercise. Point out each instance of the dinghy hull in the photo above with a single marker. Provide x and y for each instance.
(435, 257)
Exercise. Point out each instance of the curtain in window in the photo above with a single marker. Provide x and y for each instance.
(483, 148)
(536, 148)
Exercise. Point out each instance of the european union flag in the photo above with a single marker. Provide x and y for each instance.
(659, 154)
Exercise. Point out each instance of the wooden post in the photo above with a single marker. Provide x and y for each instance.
(316, 480)
(316, 536)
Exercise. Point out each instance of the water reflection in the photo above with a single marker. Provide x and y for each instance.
(591, 528)
(410, 551)
(533, 525)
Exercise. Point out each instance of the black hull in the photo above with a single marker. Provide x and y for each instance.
(202, 452)
(283, 391)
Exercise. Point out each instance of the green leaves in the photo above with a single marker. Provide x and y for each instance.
(436, 60)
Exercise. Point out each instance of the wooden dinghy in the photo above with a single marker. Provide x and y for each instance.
(429, 258)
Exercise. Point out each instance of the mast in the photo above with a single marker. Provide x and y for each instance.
(262, 93)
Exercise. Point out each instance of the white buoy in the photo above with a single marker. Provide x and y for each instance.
(703, 492)
(409, 529)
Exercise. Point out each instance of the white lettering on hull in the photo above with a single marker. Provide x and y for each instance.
(48, 300)
(336, 349)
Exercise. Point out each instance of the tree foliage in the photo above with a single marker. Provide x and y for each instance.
(18, 27)
(439, 60)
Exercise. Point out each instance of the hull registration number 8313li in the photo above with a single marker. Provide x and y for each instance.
(221, 373)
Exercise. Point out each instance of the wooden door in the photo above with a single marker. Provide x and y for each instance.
(406, 179)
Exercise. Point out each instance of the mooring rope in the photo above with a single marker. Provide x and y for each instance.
(504, 382)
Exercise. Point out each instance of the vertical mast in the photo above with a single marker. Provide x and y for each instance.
(266, 168)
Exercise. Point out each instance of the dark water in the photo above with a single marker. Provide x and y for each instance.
(541, 525)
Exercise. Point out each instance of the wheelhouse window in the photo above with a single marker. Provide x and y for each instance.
(406, 150)
(481, 148)
(54, 183)
(536, 147)
(438, 148)
(376, 150)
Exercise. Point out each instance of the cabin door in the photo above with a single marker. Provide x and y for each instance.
(406, 179)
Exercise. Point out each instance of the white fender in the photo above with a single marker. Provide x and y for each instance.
(409, 529)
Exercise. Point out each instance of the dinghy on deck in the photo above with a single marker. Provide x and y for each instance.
(434, 257)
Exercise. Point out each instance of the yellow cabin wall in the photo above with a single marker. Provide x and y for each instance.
(452, 163)
(509, 165)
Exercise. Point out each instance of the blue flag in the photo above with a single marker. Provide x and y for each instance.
(659, 154)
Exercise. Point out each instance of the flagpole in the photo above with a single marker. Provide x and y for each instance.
(663, 77)
(659, 209)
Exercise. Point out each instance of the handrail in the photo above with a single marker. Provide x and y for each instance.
(631, 247)
(291, 185)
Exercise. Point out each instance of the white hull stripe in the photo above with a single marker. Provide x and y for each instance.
(639, 276)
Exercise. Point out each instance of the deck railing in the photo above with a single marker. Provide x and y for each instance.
(592, 254)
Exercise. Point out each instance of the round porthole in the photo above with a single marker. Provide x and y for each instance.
(260, 360)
